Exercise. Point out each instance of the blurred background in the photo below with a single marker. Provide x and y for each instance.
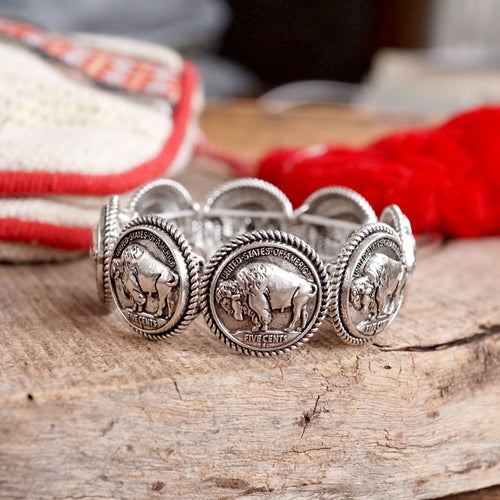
(390, 55)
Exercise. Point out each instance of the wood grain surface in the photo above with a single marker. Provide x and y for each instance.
(88, 409)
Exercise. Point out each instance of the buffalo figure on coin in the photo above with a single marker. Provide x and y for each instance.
(378, 290)
(258, 289)
(142, 276)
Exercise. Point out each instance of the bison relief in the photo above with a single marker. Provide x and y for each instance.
(146, 281)
(259, 289)
(378, 290)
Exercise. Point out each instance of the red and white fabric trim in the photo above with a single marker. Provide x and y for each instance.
(111, 69)
(82, 117)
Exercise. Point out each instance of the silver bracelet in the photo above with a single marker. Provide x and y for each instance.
(263, 275)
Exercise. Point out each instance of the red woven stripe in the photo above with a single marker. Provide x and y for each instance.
(18, 30)
(41, 233)
(99, 65)
(37, 183)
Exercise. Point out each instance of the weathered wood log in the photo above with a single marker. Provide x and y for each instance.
(89, 409)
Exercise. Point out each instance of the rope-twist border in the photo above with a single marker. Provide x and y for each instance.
(146, 189)
(397, 221)
(337, 275)
(263, 237)
(394, 214)
(349, 194)
(251, 183)
(108, 240)
(192, 264)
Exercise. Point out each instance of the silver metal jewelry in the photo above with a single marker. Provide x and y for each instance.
(103, 239)
(264, 275)
(265, 292)
(346, 209)
(368, 283)
(154, 277)
(166, 198)
(241, 206)
(394, 217)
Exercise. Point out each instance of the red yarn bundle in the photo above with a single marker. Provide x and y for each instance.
(446, 179)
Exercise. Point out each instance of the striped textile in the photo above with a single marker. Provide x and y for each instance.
(83, 117)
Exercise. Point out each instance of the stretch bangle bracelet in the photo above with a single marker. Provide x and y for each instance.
(263, 275)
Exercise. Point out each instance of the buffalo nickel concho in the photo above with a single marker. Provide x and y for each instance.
(368, 283)
(271, 275)
(103, 238)
(154, 277)
(241, 206)
(168, 199)
(329, 216)
(394, 217)
(265, 292)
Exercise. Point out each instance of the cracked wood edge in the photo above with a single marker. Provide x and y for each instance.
(113, 415)
(358, 429)
(87, 409)
(472, 339)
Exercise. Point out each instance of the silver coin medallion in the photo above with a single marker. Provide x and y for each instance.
(329, 216)
(166, 198)
(103, 238)
(338, 202)
(394, 217)
(154, 277)
(265, 292)
(368, 283)
(241, 206)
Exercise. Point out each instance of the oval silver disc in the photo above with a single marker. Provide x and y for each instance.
(394, 217)
(329, 216)
(265, 292)
(103, 238)
(241, 206)
(338, 202)
(166, 198)
(368, 283)
(154, 277)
